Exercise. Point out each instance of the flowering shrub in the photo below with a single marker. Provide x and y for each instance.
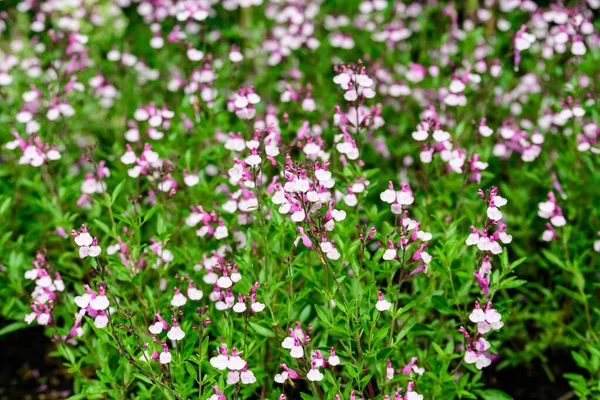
(311, 199)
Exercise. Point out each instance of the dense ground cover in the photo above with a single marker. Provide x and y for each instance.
(312, 199)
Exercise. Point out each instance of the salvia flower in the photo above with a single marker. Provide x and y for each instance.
(88, 246)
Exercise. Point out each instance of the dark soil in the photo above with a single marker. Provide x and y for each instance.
(26, 371)
(531, 382)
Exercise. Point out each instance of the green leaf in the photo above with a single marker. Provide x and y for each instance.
(579, 359)
(5, 205)
(142, 378)
(117, 191)
(160, 227)
(261, 330)
(517, 263)
(404, 309)
(102, 226)
(149, 214)
(15, 326)
(191, 370)
(441, 304)
(405, 329)
(384, 354)
(123, 219)
(437, 349)
(504, 260)
(512, 283)
(494, 394)
(322, 314)
(553, 258)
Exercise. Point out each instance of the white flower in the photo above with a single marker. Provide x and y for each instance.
(383, 305)
(236, 363)
(233, 377)
(492, 316)
(333, 254)
(494, 214)
(83, 301)
(404, 198)
(165, 358)
(178, 300)
(388, 196)
(224, 282)
(239, 307)
(417, 370)
(83, 239)
(338, 215)
(253, 160)
(420, 135)
(389, 254)
(92, 251)
(440, 135)
(425, 257)
(424, 236)
(101, 321)
(322, 175)
(364, 81)
(578, 48)
(43, 319)
(219, 362)
(191, 180)
(99, 303)
(480, 361)
(235, 56)
(558, 221)
(175, 333)
(145, 356)
(546, 208)
(297, 352)
(298, 216)
(221, 232)
(413, 396)
(351, 95)
(156, 328)
(29, 318)
(499, 201)
(314, 375)
(279, 378)
(257, 307)
(236, 276)
(485, 131)
(288, 343)
(504, 237)
(248, 377)
(472, 239)
(194, 294)
(333, 361)
(457, 86)
(478, 315)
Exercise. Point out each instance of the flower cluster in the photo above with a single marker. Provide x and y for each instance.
(242, 103)
(95, 305)
(45, 292)
(296, 343)
(88, 245)
(93, 183)
(237, 366)
(486, 320)
(486, 239)
(34, 151)
(552, 211)
(228, 151)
